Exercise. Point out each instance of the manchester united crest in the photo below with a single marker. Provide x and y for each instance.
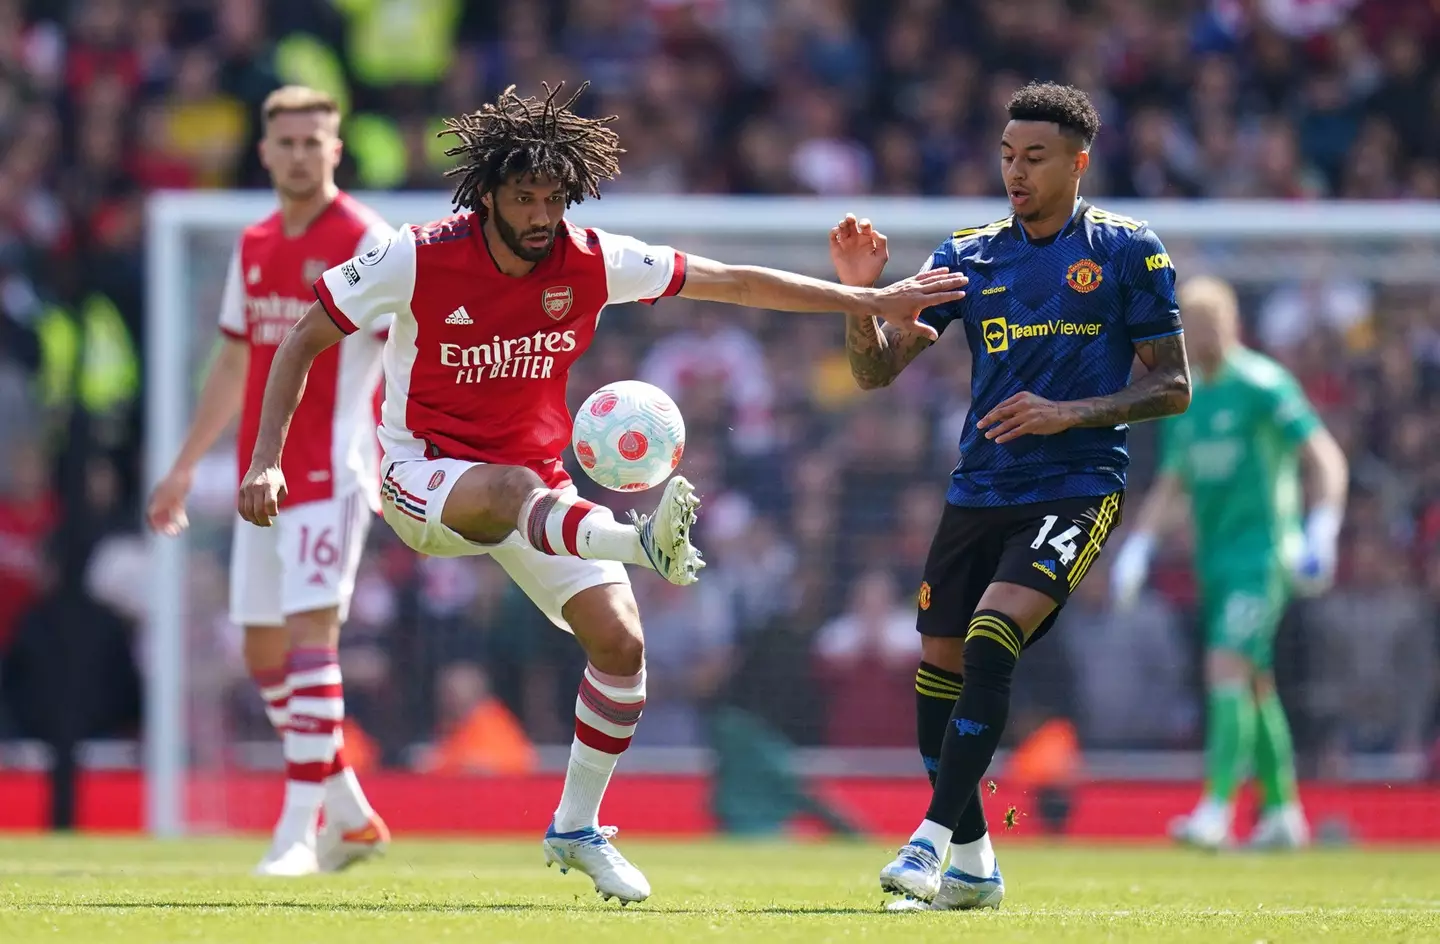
(1084, 276)
(313, 269)
(557, 300)
(924, 595)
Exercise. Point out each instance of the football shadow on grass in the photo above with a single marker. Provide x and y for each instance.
(487, 907)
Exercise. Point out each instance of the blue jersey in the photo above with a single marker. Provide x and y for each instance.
(1058, 318)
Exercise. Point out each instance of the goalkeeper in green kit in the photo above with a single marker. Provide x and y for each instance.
(1236, 453)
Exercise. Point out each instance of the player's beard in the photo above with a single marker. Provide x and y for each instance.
(514, 240)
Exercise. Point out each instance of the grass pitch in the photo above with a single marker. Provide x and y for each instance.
(143, 892)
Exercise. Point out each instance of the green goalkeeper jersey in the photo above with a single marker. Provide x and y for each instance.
(1236, 450)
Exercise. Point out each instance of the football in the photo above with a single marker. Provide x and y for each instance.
(628, 436)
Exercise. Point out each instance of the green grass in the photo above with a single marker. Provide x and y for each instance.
(100, 891)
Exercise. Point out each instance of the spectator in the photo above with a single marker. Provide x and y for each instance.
(871, 649)
(1373, 690)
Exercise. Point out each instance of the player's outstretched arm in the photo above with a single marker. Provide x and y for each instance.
(877, 352)
(899, 304)
(263, 487)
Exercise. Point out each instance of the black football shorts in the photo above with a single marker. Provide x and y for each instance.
(1046, 546)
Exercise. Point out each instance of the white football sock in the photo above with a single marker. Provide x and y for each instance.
(938, 836)
(565, 525)
(974, 858)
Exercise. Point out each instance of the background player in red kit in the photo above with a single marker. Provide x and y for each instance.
(290, 587)
(491, 308)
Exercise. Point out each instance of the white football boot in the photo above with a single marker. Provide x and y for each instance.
(1281, 828)
(914, 873)
(665, 534)
(1206, 828)
(339, 849)
(591, 851)
(289, 860)
(959, 891)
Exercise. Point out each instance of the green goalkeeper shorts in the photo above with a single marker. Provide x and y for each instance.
(1242, 612)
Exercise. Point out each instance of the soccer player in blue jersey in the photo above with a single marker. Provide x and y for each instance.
(1062, 297)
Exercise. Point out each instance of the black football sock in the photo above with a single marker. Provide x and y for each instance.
(992, 647)
(936, 692)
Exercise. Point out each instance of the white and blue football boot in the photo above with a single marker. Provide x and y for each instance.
(958, 892)
(961, 892)
(665, 534)
(915, 873)
(591, 851)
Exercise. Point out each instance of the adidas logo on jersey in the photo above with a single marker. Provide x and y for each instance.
(459, 317)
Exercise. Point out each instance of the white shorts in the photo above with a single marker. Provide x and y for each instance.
(412, 499)
(305, 561)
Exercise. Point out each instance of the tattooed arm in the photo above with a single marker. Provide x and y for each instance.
(879, 352)
(1164, 390)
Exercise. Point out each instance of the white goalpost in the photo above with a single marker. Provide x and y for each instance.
(190, 234)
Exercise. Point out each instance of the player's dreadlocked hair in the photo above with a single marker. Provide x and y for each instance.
(544, 137)
(1065, 105)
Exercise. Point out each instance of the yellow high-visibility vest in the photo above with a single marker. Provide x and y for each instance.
(91, 358)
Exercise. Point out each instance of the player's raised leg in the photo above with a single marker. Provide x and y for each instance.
(607, 709)
(489, 502)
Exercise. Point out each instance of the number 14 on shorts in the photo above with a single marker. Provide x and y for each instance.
(1063, 543)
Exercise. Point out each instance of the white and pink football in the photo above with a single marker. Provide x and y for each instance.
(628, 436)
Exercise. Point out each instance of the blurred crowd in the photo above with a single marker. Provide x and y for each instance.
(820, 502)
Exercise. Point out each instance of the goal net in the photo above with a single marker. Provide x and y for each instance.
(795, 655)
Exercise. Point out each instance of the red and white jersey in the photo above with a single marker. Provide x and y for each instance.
(331, 448)
(477, 361)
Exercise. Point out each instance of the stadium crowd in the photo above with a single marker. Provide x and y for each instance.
(820, 501)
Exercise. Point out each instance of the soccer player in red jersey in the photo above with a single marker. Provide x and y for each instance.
(290, 586)
(491, 307)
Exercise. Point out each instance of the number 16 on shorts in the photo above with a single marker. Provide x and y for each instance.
(306, 562)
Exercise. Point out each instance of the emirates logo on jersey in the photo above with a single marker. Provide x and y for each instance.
(557, 300)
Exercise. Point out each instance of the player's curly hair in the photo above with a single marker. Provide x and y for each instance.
(540, 136)
(1065, 105)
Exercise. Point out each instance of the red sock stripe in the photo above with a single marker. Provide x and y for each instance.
(599, 740)
(616, 712)
(336, 690)
(308, 773)
(539, 515)
(570, 527)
